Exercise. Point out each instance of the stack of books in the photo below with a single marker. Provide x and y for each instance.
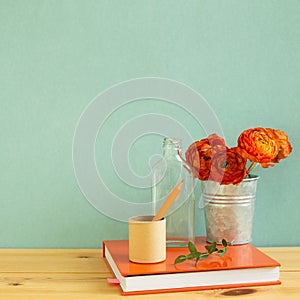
(241, 266)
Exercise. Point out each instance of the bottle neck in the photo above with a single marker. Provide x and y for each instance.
(171, 147)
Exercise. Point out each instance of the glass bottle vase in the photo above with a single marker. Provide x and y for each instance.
(167, 173)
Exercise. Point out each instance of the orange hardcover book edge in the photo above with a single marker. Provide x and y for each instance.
(237, 257)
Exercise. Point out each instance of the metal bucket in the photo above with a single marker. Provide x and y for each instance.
(229, 210)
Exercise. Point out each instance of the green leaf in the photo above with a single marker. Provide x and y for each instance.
(222, 251)
(203, 255)
(225, 243)
(192, 247)
(193, 255)
(211, 248)
(180, 259)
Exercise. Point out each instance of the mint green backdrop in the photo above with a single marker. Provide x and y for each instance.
(56, 56)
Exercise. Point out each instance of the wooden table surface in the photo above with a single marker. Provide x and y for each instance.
(82, 274)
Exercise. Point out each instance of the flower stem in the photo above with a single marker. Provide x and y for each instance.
(252, 167)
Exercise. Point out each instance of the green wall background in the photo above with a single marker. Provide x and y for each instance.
(56, 56)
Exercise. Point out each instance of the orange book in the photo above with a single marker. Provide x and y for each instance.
(241, 266)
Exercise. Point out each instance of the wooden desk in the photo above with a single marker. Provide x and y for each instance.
(81, 274)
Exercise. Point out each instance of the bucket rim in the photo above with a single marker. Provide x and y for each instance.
(248, 178)
(251, 177)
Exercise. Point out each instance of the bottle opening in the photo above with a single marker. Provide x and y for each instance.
(174, 142)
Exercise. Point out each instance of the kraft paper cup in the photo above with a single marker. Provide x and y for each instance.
(147, 240)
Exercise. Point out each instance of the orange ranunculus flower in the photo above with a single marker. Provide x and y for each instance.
(258, 145)
(228, 167)
(199, 155)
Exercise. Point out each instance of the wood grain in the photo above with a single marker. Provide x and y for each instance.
(82, 274)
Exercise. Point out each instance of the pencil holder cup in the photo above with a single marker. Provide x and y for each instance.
(147, 239)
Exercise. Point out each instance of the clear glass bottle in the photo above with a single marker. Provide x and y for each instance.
(167, 173)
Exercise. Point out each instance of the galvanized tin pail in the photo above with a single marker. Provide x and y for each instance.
(229, 210)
